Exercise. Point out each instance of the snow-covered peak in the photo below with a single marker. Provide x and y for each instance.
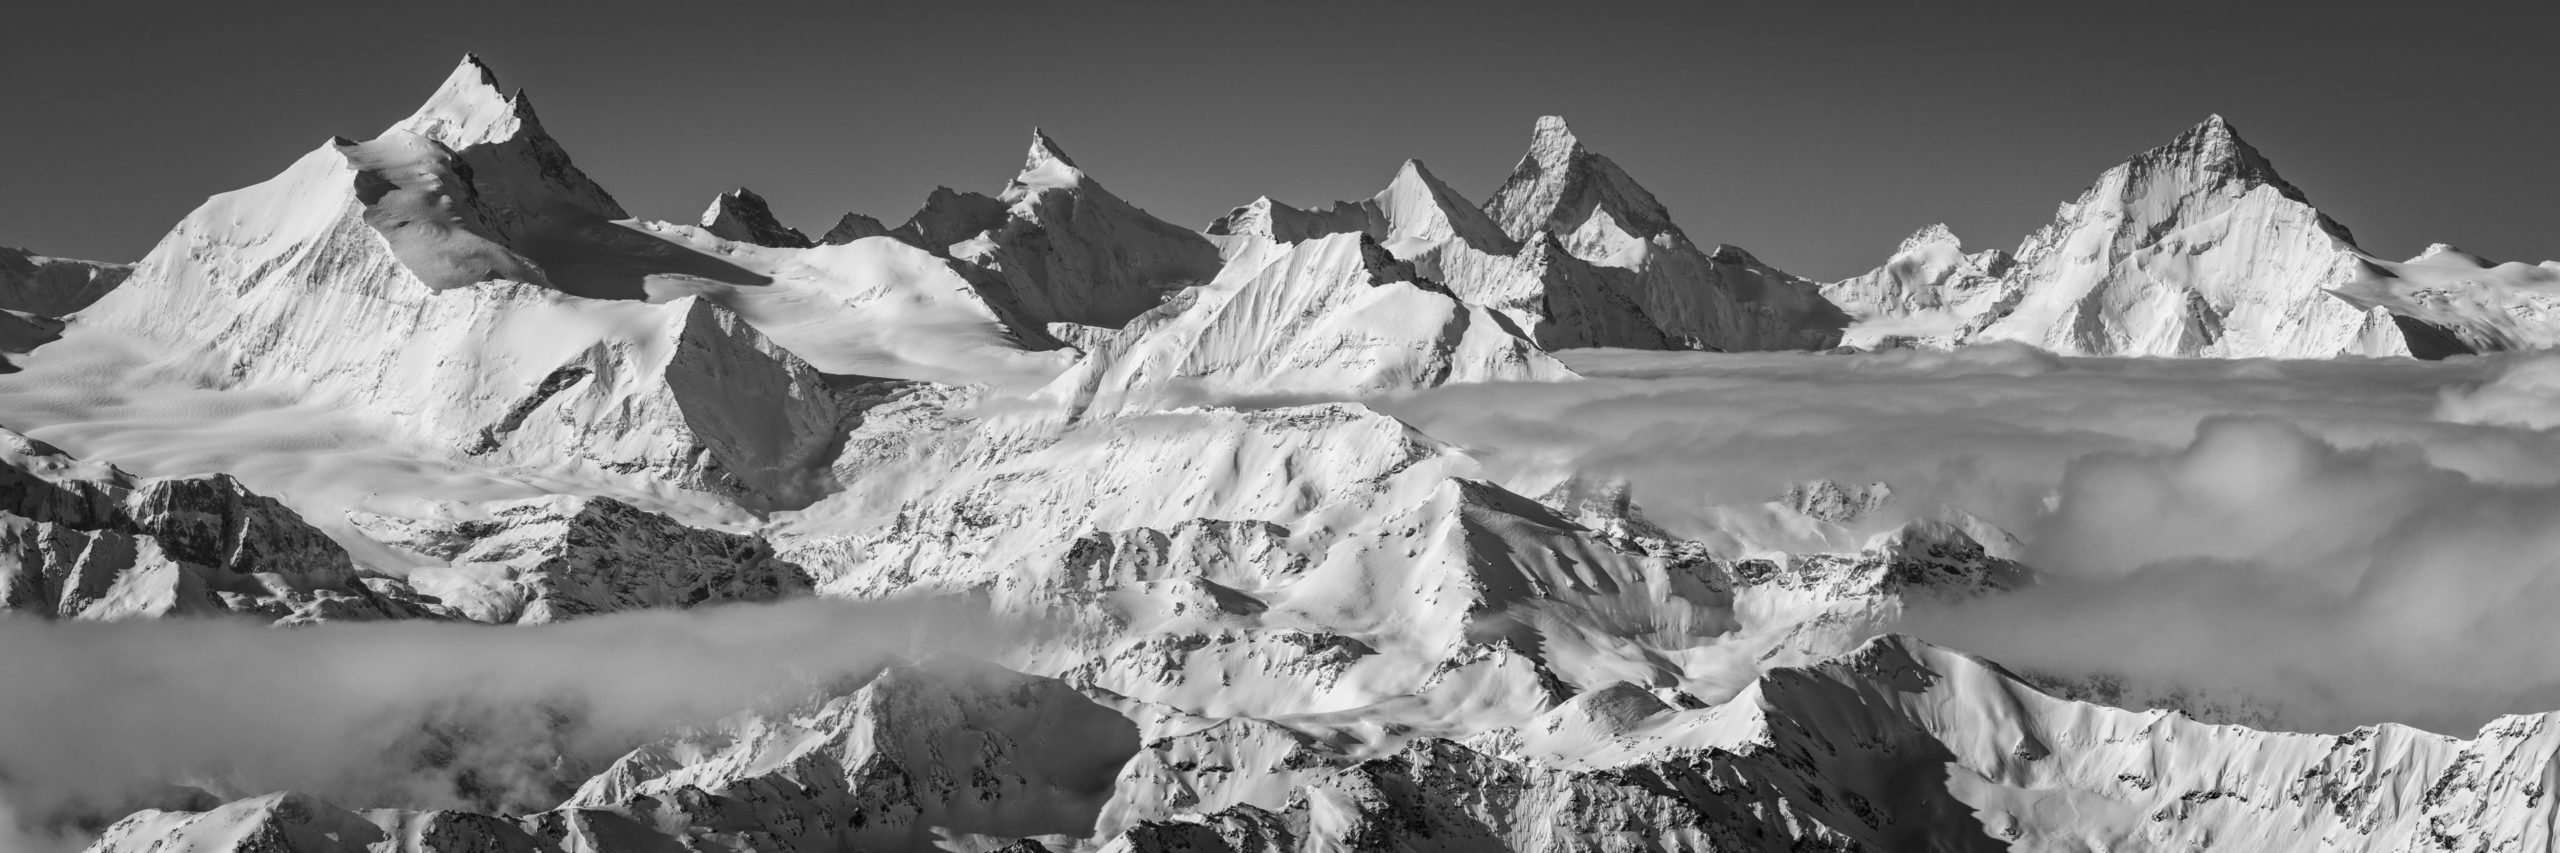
(470, 109)
(740, 215)
(2193, 248)
(1551, 142)
(2446, 254)
(1560, 182)
(1046, 167)
(1936, 234)
(2213, 150)
(1422, 211)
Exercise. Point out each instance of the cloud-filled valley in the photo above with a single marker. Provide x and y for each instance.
(422, 499)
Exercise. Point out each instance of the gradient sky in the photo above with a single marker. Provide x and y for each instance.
(1815, 134)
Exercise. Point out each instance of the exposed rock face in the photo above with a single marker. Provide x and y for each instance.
(22, 333)
(54, 287)
(1057, 247)
(86, 541)
(550, 559)
(919, 752)
(2195, 248)
(1572, 251)
(1567, 195)
(420, 277)
(854, 226)
(743, 216)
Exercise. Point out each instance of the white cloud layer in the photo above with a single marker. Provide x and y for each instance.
(407, 714)
(2351, 542)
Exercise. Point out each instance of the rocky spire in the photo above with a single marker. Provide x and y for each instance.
(742, 216)
(1560, 182)
(1046, 167)
(853, 226)
(470, 109)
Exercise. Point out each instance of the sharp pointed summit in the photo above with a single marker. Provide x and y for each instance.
(2192, 248)
(1058, 247)
(1560, 182)
(1046, 167)
(742, 216)
(470, 109)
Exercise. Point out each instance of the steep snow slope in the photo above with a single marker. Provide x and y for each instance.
(54, 287)
(2194, 248)
(385, 275)
(2448, 301)
(1331, 316)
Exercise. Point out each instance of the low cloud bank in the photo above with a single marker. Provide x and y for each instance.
(2350, 542)
(99, 716)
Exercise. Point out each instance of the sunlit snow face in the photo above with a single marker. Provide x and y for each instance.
(2352, 542)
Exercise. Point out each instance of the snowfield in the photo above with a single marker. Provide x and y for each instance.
(422, 499)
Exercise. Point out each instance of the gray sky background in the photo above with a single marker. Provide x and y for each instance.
(1814, 134)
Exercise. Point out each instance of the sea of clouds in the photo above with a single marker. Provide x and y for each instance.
(2347, 542)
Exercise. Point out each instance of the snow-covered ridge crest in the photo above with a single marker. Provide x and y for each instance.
(2448, 301)
(398, 277)
(1334, 316)
(1572, 251)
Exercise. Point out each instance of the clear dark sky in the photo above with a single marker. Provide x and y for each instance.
(1815, 134)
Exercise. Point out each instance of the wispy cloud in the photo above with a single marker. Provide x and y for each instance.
(407, 714)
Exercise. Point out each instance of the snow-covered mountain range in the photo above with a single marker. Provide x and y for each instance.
(1270, 616)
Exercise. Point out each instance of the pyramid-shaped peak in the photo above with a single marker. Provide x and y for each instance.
(1559, 184)
(740, 215)
(1045, 150)
(1552, 143)
(1046, 167)
(1413, 176)
(2215, 130)
(2213, 140)
(469, 108)
(1553, 129)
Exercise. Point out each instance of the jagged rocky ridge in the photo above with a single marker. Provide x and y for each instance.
(1570, 249)
(83, 540)
(1895, 745)
(1285, 621)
